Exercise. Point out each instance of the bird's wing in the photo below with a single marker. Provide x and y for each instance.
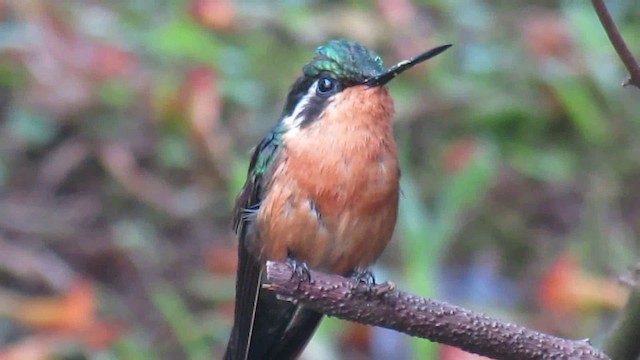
(249, 268)
(264, 327)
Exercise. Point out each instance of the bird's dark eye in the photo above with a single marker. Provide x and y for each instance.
(327, 86)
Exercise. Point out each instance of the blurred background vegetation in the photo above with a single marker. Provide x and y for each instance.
(125, 131)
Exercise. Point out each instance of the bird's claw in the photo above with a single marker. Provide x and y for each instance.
(366, 284)
(300, 271)
(364, 278)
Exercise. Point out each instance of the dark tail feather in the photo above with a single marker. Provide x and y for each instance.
(265, 327)
(298, 333)
(247, 289)
(281, 329)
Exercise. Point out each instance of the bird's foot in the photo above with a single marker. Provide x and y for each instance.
(364, 278)
(300, 271)
(366, 284)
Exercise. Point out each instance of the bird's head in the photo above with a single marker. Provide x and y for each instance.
(338, 66)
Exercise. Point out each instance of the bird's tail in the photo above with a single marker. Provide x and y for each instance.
(265, 327)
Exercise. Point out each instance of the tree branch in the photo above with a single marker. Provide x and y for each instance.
(618, 43)
(381, 305)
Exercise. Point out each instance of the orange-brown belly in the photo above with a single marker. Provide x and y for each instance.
(328, 236)
(332, 210)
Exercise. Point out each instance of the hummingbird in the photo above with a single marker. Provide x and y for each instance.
(321, 192)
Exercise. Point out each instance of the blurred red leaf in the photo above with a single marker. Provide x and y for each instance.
(111, 61)
(548, 36)
(566, 289)
(73, 311)
(69, 317)
(202, 98)
(201, 93)
(222, 259)
(457, 156)
(357, 336)
(215, 14)
(102, 334)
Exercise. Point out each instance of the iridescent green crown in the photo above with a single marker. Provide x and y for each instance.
(345, 59)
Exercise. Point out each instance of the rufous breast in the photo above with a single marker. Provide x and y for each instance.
(332, 200)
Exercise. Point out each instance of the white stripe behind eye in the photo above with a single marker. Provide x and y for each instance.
(294, 120)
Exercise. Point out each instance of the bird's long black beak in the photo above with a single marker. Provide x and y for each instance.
(400, 67)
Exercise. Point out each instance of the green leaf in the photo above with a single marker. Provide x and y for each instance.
(175, 152)
(181, 321)
(552, 165)
(185, 39)
(582, 108)
(116, 93)
(133, 347)
(466, 188)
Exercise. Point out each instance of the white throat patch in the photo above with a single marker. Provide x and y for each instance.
(294, 120)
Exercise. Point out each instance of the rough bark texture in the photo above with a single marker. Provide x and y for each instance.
(381, 305)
